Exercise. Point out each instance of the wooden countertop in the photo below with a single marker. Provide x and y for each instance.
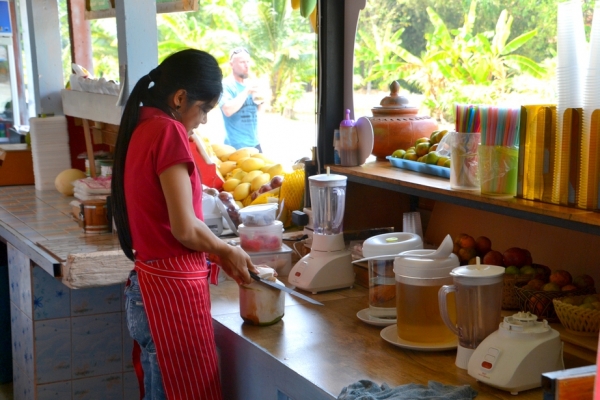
(332, 348)
(383, 174)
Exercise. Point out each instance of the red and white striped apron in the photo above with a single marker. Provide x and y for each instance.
(177, 301)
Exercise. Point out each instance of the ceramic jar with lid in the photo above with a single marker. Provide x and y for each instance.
(396, 124)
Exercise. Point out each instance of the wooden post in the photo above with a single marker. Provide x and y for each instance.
(89, 147)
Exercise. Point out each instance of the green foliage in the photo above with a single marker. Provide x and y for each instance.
(460, 65)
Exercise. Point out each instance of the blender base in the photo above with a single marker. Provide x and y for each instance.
(463, 355)
(319, 271)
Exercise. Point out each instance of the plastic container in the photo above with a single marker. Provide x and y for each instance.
(419, 278)
(348, 146)
(261, 238)
(280, 260)
(260, 304)
(382, 285)
(258, 215)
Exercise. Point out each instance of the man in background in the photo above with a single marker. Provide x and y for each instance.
(240, 103)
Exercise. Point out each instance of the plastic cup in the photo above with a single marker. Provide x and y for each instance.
(498, 167)
(411, 222)
(463, 167)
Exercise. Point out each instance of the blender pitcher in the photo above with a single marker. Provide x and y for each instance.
(478, 294)
(327, 197)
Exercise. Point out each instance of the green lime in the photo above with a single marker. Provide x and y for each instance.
(399, 153)
(432, 158)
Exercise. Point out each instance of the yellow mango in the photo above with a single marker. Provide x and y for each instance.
(259, 180)
(252, 164)
(266, 167)
(225, 156)
(250, 176)
(239, 204)
(230, 184)
(276, 169)
(240, 161)
(226, 167)
(266, 159)
(240, 175)
(222, 149)
(241, 153)
(241, 191)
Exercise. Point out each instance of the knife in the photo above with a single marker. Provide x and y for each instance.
(284, 288)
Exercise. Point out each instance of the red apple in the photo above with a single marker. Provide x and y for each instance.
(466, 253)
(517, 257)
(536, 284)
(467, 242)
(276, 181)
(584, 281)
(561, 277)
(483, 244)
(493, 257)
(264, 188)
(538, 305)
(566, 288)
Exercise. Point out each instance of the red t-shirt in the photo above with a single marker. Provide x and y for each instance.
(157, 143)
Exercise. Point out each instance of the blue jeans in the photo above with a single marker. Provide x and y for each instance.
(137, 323)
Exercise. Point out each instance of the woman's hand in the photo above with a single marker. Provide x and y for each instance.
(236, 263)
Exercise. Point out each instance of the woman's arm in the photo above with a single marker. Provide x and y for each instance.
(195, 234)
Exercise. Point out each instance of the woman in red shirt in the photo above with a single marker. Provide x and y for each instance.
(157, 206)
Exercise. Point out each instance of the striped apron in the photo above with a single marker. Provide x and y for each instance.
(177, 301)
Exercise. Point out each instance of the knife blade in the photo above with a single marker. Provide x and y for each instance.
(284, 288)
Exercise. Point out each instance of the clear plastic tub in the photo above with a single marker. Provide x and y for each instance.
(258, 215)
(280, 260)
(261, 238)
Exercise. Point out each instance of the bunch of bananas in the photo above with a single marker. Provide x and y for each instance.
(308, 9)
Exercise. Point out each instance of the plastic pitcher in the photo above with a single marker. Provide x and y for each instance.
(419, 276)
(478, 294)
(382, 249)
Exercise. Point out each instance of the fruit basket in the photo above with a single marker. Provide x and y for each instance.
(510, 300)
(540, 302)
(576, 319)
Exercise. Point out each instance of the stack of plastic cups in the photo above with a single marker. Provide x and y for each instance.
(591, 120)
(569, 77)
(411, 222)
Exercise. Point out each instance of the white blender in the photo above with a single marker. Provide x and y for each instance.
(328, 266)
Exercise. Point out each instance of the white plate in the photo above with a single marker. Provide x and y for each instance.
(390, 335)
(364, 316)
(364, 131)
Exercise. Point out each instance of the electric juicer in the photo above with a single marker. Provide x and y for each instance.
(328, 266)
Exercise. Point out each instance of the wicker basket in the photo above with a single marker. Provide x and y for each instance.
(540, 302)
(510, 300)
(581, 321)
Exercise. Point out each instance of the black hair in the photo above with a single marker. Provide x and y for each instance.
(195, 71)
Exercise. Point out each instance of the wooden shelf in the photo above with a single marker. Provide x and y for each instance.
(382, 174)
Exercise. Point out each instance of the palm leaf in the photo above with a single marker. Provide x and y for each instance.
(518, 42)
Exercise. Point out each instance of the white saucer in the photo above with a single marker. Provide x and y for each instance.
(390, 335)
(364, 316)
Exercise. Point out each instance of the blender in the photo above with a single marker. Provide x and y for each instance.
(478, 294)
(328, 266)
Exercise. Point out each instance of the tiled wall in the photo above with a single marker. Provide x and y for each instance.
(67, 344)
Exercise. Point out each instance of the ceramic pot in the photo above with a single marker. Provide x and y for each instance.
(396, 124)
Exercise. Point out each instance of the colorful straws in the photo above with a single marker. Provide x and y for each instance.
(500, 126)
(467, 118)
